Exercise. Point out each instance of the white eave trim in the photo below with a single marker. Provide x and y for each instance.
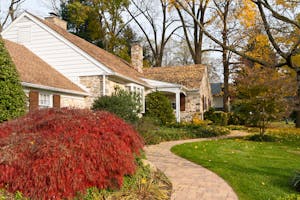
(43, 87)
(133, 80)
(57, 35)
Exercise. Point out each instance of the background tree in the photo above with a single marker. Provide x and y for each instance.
(157, 26)
(10, 14)
(12, 96)
(278, 20)
(193, 34)
(101, 23)
(262, 95)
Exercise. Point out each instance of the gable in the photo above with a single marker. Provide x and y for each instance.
(57, 46)
(52, 49)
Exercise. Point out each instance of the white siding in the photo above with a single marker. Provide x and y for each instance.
(52, 50)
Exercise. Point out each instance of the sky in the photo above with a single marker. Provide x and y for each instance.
(39, 8)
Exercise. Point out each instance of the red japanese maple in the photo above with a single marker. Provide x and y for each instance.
(54, 153)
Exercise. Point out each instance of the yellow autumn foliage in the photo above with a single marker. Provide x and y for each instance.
(247, 14)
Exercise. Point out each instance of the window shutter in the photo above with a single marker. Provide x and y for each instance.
(56, 101)
(33, 100)
(182, 102)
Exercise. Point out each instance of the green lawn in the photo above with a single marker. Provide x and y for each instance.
(255, 170)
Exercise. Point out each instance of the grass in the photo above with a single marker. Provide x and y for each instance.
(255, 170)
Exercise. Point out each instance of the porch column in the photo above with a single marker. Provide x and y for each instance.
(178, 106)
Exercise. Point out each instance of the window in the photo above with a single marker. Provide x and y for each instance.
(24, 34)
(138, 90)
(45, 100)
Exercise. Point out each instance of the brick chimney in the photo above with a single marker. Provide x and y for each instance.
(137, 57)
(53, 18)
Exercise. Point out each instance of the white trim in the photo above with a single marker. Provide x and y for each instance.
(47, 94)
(54, 89)
(61, 38)
(104, 85)
(132, 80)
(178, 106)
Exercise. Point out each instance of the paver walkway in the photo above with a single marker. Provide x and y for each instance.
(190, 181)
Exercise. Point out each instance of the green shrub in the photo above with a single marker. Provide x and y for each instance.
(262, 138)
(217, 117)
(122, 103)
(182, 131)
(12, 96)
(159, 106)
(296, 181)
(233, 119)
(147, 128)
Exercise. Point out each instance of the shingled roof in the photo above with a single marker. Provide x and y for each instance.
(189, 76)
(111, 61)
(34, 70)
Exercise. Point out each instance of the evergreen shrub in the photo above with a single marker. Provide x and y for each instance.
(12, 96)
(158, 106)
(122, 103)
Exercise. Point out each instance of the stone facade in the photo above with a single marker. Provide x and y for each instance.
(192, 106)
(95, 86)
(112, 85)
(196, 102)
(72, 101)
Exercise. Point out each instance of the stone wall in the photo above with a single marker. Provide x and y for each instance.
(112, 85)
(72, 101)
(192, 106)
(198, 102)
(95, 86)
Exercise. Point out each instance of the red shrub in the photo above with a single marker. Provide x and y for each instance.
(52, 154)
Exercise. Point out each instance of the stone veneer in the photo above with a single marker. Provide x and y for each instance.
(95, 86)
(73, 102)
(196, 102)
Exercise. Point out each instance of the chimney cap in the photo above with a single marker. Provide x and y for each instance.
(52, 14)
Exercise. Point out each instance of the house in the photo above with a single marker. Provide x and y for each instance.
(43, 85)
(77, 71)
(190, 85)
(217, 93)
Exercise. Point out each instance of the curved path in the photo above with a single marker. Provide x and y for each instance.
(190, 181)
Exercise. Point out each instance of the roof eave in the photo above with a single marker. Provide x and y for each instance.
(43, 87)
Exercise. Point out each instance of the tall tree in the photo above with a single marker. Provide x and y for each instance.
(10, 14)
(160, 23)
(193, 34)
(278, 19)
(100, 22)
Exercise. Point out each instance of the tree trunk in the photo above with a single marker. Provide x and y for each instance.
(226, 84)
(297, 100)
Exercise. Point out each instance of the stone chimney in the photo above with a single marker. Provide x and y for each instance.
(137, 57)
(53, 18)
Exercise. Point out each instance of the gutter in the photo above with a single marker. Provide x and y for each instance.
(43, 87)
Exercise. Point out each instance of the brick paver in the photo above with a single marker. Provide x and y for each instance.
(190, 181)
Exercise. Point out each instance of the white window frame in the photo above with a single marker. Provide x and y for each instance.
(139, 90)
(45, 103)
